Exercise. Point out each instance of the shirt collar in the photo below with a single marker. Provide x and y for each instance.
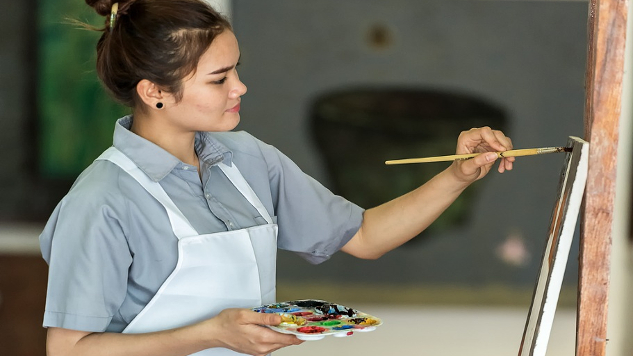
(157, 163)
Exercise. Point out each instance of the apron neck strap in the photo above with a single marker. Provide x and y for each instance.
(181, 226)
(234, 175)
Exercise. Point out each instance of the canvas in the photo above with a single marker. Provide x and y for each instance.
(561, 233)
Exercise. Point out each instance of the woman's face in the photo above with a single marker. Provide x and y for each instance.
(211, 96)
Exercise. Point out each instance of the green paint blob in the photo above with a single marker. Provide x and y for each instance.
(330, 323)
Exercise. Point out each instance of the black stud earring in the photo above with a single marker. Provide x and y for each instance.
(159, 105)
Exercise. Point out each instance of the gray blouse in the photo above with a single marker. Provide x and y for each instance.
(109, 243)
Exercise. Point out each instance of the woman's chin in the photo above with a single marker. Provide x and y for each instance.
(227, 125)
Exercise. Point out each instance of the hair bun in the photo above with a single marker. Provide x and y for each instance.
(103, 7)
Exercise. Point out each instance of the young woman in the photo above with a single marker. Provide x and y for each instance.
(167, 239)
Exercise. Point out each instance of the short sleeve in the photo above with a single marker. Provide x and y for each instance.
(312, 220)
(86, 250)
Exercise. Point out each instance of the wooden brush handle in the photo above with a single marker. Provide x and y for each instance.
(510, 153)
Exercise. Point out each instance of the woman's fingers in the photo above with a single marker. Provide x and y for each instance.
(486, 139)
(506, 162)
(251, 317)
(476, 167)
(504, 140)
(493, 138)
(478, 140)
(243, 331)
(483, 139)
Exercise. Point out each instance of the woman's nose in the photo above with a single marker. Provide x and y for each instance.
(239, 89)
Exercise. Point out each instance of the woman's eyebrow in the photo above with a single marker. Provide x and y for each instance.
(222, 70)
(225, 69)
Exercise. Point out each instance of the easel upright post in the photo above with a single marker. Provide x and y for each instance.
(603, 85)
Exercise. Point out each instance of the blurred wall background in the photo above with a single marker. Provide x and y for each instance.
(524, 59)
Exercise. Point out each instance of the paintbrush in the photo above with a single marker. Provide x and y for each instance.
(509, 153)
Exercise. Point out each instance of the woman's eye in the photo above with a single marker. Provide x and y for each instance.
(221, 81)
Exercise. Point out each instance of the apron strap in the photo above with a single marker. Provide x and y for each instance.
(181, 226)
(234, 175)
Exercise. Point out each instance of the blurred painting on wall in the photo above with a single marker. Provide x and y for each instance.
(76, 116)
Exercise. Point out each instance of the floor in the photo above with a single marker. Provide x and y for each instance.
(22, 297)
(442, 331)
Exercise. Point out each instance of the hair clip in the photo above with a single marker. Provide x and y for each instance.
(115, 9)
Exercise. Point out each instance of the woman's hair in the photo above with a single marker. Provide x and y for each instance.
(158, 40)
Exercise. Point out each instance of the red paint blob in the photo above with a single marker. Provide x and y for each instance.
(302, 313)
(317, 318)
(311, 329)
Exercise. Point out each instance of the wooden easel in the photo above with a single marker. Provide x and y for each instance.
(603, 85)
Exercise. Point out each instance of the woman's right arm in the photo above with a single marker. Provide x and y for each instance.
(236, 329)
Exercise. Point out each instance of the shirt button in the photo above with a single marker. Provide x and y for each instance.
(186, 168)
(207, 196)
(230, 224)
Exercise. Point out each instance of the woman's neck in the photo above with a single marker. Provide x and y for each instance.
(179, 143)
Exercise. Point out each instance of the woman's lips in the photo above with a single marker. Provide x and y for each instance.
(236, 108)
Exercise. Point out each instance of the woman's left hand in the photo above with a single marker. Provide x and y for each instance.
(481, 140)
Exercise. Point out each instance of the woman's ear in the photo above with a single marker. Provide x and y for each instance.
(150, 94)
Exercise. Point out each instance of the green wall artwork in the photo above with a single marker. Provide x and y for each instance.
(76, 115)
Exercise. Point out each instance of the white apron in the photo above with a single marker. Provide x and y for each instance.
(231, 269)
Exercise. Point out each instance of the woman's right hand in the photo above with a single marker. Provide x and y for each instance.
(241, 330)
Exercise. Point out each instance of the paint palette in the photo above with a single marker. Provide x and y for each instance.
(311, 319)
